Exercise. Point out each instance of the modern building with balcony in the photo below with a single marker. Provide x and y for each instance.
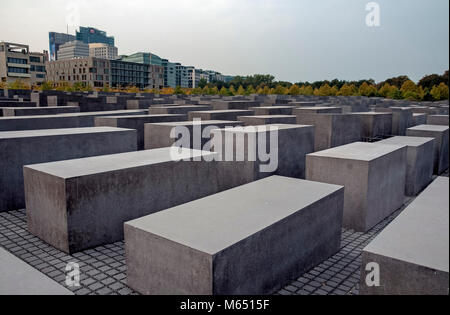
(18, 63)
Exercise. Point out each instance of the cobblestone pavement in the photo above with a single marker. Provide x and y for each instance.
(103, 269)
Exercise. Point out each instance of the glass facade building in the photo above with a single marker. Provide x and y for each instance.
(170, 76)
(90, 35)
(55, 41)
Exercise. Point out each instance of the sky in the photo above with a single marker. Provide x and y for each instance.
(294, 40)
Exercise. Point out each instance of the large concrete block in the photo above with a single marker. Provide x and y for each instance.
(333, 130)
(78, 204)
(137, 122)
(272, 110)
(419, 119)
(33, 111)
(230, 115)
(19, 148)
(248, 240)
(287, 145)
(317, 110)
(402, 119)
(419, 159)
(88, 119)
(438, 120)
(440, 134)
(373, 175)
(268, 120)
(413, 251)
(229, 105)
(177, 109)
(161, 135)
(375, 125)
(19, 278)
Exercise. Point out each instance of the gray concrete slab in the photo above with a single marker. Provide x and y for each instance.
(158, 135)
(272, 110)
(227, 105)
(268, 120)
(373, 175)
(248, 240)
(438, 120)
(33, 111)
(177, 109)
(136, 122)
(83, 203)
(333, 130)
(402, 119)
(441, 135)
(19, 278)
(419, 159)
(317, 110)
(375, 125)
(220, 114)
(413, 251)
(419, 119)
(19, 148)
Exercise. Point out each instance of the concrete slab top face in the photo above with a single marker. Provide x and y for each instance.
(264, 128)
(360, 151)
(372, 114)
(226, 111)
(114, 162)
(40, 108)
(19, 278)
(234, 218)
(408, 141)
(144, 117)
(199, 123)
(437, 128)
(420, 234)
(268, 116)
(57, 132)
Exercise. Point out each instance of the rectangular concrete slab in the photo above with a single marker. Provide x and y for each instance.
(19, 278)
(272, 110)
(268, 120)
(413, 251)
(33, 111)
(136, 122)
(373, 175)
(193, 134)
(438, 120)
(375, 125)
(227, 105)
(419, 159)
(441, 149)
(230, 115)
(177, 109)
(252, 239)
(19, 148)
(78, 204)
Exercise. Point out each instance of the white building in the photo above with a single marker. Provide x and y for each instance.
(104, 51)
(72, 50)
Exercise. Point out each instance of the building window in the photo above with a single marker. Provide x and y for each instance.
(17, 61)
(35, 59)
(17, 70)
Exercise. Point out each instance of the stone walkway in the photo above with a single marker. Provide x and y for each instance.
(103, 269)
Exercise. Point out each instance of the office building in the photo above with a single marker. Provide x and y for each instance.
(181, 76)
(145, 58)
(170, 79)
(90, 35)
(18, 63)
(55, 41)
(73, 49)
(104, 51)
(99, 73)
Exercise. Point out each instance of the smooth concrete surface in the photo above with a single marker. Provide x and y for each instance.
(227, 105)
(333, 130)
(402, 119)
(79, 204)
(375, 125)
(59, 121)
(19, 278)
(373, 175)
(317, 110)
(438, 120)
(288, 144)
(177, 109)
(272, 110)
(158, 135)
(441, 135)
(413, 251)
(267, 120)
(419, 159)
(230, 115)
(249, 240)
(136, 122)
(419, 119)
(19, 148)
(33, 111)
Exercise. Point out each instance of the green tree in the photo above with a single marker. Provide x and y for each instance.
(179, 91)
(240, 91)
(202, 83)
(294, 90)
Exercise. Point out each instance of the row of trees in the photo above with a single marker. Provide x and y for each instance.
(429, 88)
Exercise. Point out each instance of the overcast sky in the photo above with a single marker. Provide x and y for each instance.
(295, 40)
